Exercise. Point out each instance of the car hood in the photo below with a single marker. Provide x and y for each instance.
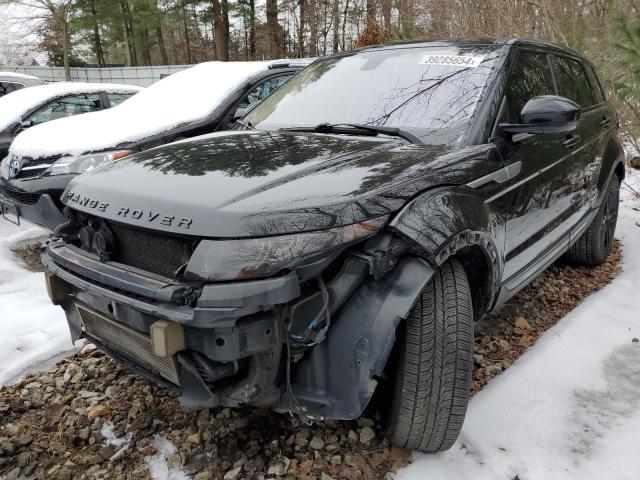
(253, 183)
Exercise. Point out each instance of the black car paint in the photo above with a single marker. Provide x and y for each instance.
(241, 184)
(48, 213)
(473, 202)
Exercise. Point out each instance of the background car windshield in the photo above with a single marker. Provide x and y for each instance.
(431, 92)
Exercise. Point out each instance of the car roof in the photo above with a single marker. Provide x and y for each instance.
(291, 63)
(518, 41)
(27, 80)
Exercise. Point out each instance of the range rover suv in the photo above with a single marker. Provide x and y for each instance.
(344, 239)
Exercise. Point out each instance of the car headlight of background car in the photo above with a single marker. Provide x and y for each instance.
(241, 259)
(84, 163)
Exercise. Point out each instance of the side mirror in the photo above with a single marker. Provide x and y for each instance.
(546, 114)
(26, 124)
(239, 113)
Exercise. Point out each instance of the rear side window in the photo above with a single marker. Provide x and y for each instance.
(572, 81)
(530, 77)
(8, 87)
(598, 94)
(117, 98)
(66, 107)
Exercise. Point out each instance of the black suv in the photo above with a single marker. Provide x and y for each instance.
(344, 240)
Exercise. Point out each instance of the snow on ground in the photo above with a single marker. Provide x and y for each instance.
(570, 406)
(32, 329)
(161, 466)
(186, 96)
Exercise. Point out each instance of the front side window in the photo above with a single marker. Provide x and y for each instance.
(66, 107)
(8, 87)
(264, 89)
(530, 77)
(431, 92)
(572, 81)
(117, 98)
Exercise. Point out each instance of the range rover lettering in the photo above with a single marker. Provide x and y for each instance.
(344, 238)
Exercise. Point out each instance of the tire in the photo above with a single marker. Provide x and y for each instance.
(594, 245)
(434, 362)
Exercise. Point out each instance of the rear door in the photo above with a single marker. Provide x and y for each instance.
(573, 83)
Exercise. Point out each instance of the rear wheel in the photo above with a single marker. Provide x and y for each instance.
(433, 371)
(595, 244)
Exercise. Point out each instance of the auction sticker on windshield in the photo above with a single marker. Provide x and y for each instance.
(454, 60)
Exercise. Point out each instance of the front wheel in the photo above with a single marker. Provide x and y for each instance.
(594, 245)
(433, 372)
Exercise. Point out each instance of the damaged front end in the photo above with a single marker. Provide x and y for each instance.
(301, 323)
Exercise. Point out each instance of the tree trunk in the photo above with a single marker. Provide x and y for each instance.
(252, 29)
(336, 25)
(66, 43)
(163, 50)
(132, 58)
(313, 28)
(272, 28)
(303, 13)
(222, 52)
(225, 24)
(386, 14)
(97, 43)
(187, 40)
(344, 24)
(371, 14)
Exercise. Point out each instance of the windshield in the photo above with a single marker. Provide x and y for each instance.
(431, 92)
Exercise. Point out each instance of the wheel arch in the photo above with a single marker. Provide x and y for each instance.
(455, 222)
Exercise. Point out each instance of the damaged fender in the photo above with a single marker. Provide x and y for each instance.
(339, 376)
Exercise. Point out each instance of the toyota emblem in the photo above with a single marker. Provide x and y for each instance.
(14, 168)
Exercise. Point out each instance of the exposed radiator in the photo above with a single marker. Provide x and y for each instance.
(127, 341)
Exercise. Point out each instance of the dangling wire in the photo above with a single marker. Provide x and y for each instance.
(319, 337)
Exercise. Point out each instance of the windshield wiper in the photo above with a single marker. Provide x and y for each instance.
(374, 129)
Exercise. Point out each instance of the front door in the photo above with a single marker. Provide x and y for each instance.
(540, 201)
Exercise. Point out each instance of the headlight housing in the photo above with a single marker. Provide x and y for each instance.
(84, 163)
(219, 260)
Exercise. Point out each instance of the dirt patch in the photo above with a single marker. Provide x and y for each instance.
(91, 418)
(28, 252)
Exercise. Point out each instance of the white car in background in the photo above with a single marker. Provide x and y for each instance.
(27, 107)
(11, 81)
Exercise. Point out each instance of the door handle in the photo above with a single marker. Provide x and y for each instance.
(572, 141)
(606, 122)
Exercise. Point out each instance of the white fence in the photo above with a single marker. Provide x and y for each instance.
(142, 76)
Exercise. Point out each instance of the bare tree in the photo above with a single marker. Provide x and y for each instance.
(58, 13)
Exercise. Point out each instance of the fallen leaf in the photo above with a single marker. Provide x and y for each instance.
(522, 323)
(97, 411)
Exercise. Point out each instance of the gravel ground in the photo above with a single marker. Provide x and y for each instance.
(91, 418)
